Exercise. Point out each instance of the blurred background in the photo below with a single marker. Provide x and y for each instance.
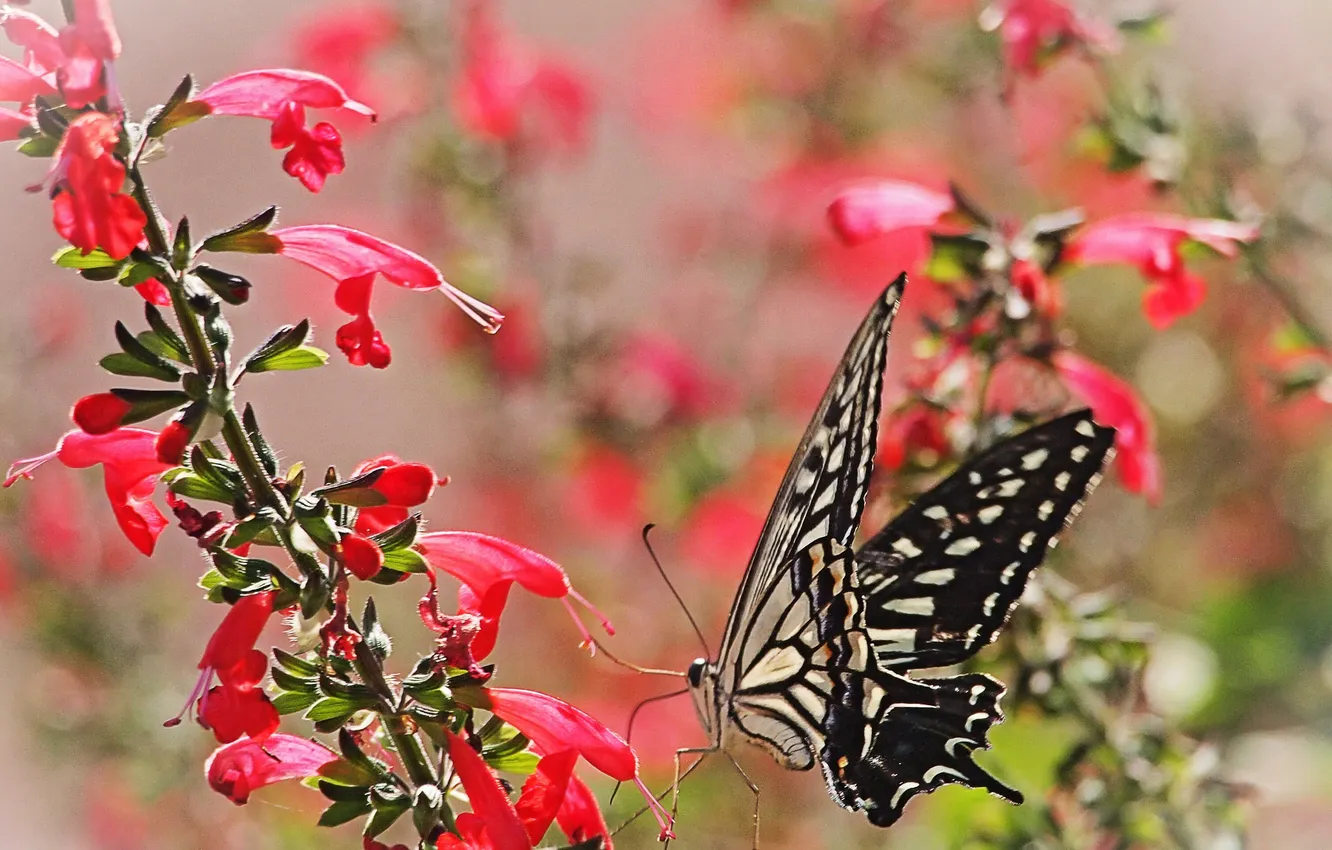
(654, 231)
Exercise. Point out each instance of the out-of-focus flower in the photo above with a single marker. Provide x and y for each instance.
(340, 42)
(554, 726)
(509, 93)
(719, 533)
(75, 56)
(282, 96)
(13, 123)
(1116, 404)
(489, 565)
(1033, 31)
(920, 427)
(130, 470)
(606, 490)
(236, 769)
(400, 486)
(1044, 296)
(89, 208)
(657, 378)
(495, 816)
(57, 528)
(1153, 243)
(353, 258)
(884, 206)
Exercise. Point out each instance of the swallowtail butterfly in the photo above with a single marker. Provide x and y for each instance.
(811, 665)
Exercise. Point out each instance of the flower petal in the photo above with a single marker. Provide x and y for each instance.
(262, 94)
(873, 209)
(555, 726)
(488, 799)
(481, 561)
(238, 768)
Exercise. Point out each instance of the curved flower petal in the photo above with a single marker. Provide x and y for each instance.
(555, 726)
(239, 768)
(580, 817)
(1116, 404)
(873, 209)
(238, 632)
(543, 793)
(21, 84)
(489, 800)
(481, 561)
(263, 94)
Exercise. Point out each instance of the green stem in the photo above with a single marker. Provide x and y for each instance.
(251, 468)
(404, 741)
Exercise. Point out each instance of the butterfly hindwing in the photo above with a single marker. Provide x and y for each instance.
(941, 579)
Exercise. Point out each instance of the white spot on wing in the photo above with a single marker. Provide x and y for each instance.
(922, 606)
(1061, 481)
(936, 576)
(1009, 571)
(1027, 539)
(988, 607)
(893, 640)
(1010, 488)
(990, 514)
(980, 715)
(906, 547)
(936, 512)
(776, 665)
(1033, 460)
(965, 546)
(934, 772)
(901, 789)
(1078, 453)
(1046, 508)
(1085, 429)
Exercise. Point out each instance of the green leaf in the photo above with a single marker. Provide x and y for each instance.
(190, 485)
(382, 819)
(39, 147)
(145, 404)
(294, 701)
(523, 763)
(294, 664)
(249, 236)
(163, 335)
(231, 288)
(427, 804)
(955, 258)
(338, 792)
(181, 246)
(126, 366)
(73, 258)
(344, 811)
(343, 772)
(399, 536)
(405, 561)
(131, 345)
(288, 682)
(178, 111)
(305, 357)
(333, 708)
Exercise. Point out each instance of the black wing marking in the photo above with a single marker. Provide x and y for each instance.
(941, 579)
(815, 693)
(921, 738)
(825, 486)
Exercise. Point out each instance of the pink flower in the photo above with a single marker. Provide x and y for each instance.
(489, 566)
(1116, 404)
(884, 206)
(21, 84)
(353, 258)
(1152, 242)
(719, 533)
(340, 42)
(362, 557)
(1034, 30)
(282, 96)
(13, 123)
(130, 470)
(510, 94)
(89, 207)
(76, 56)
(658, 378)
(243, 766)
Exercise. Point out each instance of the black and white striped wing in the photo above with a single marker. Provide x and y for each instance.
(825, 486)
(816, 695)
(941, 579)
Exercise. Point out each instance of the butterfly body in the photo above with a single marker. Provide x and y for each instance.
(810, 668)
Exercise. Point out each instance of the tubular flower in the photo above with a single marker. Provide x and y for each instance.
(100, 413)
(1153, 243)
(130, 470)
(243, 766)
(90, 211)
(401, 486)
(1033, 31)
(509, 94)
(238, 706)
(884, 206)
(341, 42)
(544, 792)
(579, 816)
(282, 96)
(353, 258)
(554, 726)
(498, 821)
(489, 566)
(1116, 404)
(361, 556)
(76, 56)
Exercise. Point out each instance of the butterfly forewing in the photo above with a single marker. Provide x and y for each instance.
(941, 579)
(825, 486)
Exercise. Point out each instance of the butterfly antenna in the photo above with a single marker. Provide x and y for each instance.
(629, 731)
(683, 607)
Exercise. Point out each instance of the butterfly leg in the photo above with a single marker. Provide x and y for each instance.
(754, 789)
(702, 752)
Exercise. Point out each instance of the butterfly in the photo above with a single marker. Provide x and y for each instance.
(812, 662)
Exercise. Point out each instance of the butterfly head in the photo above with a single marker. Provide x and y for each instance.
(702, 678)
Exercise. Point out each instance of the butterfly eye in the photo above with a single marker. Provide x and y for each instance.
(696, 672)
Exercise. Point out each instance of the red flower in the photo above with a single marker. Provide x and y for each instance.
(12, 124)
(1116, 404)
(238, 632)
(361, 556)
(316, 152)
(238, 768)
(579, 815)
(489, 565)
(874, 209)
(77, 54)
(100, 413)
(920, 427)
(455, 635)
(172, 442)
(1153, 243)
(719, 531)
(353, 258)
(21, 84)
(130, 469)
(657, 378)
(554, 726)
(543, 793)
(401, 485)
(510, 94)
(90, 211)
(282, 96)
(340, 42)
(490, 804)
(238, 706)
(1034, 30)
